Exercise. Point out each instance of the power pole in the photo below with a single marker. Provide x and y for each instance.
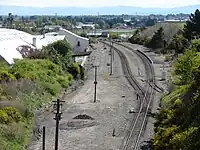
(113, 52)
(95, 84)
(56, 18)
(111, 58)
(43, 140)
(58, 104)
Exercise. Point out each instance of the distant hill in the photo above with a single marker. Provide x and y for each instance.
(117, 10)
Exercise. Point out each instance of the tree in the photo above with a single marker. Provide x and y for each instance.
(10, 20)
(150, 22)
(157, 40)
(59, 52)
(179, 44)
(192, 27)
(101, 24)
(184, 67)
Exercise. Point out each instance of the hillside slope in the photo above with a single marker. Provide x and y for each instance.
(170, 29)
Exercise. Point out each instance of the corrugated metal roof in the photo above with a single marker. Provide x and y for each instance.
(11, 39)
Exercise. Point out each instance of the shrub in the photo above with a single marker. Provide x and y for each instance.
(13, 113)
(9, 115)
(49, 75)
(6, 76)
(53, 89)
(64, 80)
(114, 35)
(14, 133)
(74, 69)
(4, 117)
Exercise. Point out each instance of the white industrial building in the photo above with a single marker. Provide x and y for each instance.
(78, 43)
(12, 41)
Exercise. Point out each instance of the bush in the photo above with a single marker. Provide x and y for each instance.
(6, 76)
(74, 69)
(14, 135)
(53, 89)
(9, 115)
(114, 35)
(4, 119)
(13, 113)
(49, 75)
(65, 80)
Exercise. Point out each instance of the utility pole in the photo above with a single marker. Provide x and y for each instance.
(95, 84)
(113, 52)
(56, 18)
(43, 140)
(111, 58)
(58, 105)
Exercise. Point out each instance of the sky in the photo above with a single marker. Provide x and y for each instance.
(101, 3)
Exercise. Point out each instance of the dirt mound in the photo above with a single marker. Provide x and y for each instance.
(84, 117)
(74, 125)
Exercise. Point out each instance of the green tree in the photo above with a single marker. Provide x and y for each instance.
(179, 44)
(150, 22)
(183, 67)
(157, 40)
(192, 27)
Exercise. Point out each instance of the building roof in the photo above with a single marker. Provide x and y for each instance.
(41, 41)
(11, 39)
(73, 34)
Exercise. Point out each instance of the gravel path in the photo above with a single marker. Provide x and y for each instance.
(114, 100)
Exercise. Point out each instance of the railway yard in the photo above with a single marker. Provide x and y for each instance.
(127, 96)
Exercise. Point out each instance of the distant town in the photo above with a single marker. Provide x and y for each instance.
(86, 25)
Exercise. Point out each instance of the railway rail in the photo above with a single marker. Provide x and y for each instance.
(132, 140)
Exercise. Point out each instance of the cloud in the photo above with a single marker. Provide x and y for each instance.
(98, 3)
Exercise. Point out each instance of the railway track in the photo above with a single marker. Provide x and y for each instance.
(127, 72)
(132, 140)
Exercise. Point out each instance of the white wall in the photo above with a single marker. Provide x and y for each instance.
(73, 40)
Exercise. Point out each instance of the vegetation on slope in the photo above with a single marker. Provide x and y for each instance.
(147, 36)
(169, 37)
(178, 123)
(27, 86)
